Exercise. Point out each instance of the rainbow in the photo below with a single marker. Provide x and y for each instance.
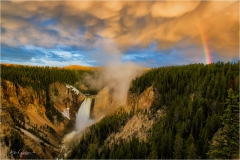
(205, 46)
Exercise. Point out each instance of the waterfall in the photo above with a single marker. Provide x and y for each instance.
(83, 120)
(83, 116)
(85, 108)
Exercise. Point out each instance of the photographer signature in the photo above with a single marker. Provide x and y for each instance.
(21, 152)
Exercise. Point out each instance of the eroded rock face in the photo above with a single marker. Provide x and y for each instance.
(23, 108)
(104, 104)
(61, 97)
(65, 97)
(15, 95)
(141, 121)
(142, 101)
(137, 126)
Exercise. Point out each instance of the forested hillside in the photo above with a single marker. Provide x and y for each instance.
(97, 134)
(201, 107)
(39, 78)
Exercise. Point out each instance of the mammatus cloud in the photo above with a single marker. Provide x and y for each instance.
(128, 24)
(109, 30)
(172, 9)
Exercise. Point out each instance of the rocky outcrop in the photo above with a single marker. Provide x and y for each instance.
(142, 101)
(25, 108)
(137, 126)
(104, 104)
(141, 122)
(26, 98)
(64, 97)
(15, 95)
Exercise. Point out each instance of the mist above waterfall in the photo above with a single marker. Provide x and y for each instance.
(116, 74)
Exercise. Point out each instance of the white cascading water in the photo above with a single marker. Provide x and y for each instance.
(83, 116)
(82, 119)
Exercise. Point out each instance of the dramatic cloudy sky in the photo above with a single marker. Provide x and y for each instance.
(156, 33)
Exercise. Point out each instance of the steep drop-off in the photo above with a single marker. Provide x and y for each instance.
(23, 113)
(171, 112)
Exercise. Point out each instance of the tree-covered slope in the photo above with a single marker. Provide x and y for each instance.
(30, 119)
(194, 100)
(40, 78)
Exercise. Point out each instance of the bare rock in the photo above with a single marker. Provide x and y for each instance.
(142, 101)
(64, 97)
(104, 104)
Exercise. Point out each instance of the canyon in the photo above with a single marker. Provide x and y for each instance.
(23, 112)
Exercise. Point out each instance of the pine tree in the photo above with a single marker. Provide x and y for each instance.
(226, 144)
(178, 147)
(93, 152)
(153, 154)
(190, 148)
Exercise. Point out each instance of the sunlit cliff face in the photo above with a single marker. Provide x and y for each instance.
(172, 28)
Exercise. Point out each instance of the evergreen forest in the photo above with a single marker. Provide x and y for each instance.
(200, 104)
(201, 118)
(39, 78)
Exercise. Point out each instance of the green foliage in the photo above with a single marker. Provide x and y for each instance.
(226, 144)
(93, 152)
(98, 133)
(39, 78)
(194, 99)
(153, 154)
(191, 151)
(178, 147)
(51, 112)
(129, 150)
(194, 96)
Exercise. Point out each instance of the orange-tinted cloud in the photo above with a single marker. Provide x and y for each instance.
(172, 9)
(127, 24)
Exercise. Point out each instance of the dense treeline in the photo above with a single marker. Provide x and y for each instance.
(199, 101)
(165, 143)
(39, 78)
(205, 81)
(98, 133)
(194, 97)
